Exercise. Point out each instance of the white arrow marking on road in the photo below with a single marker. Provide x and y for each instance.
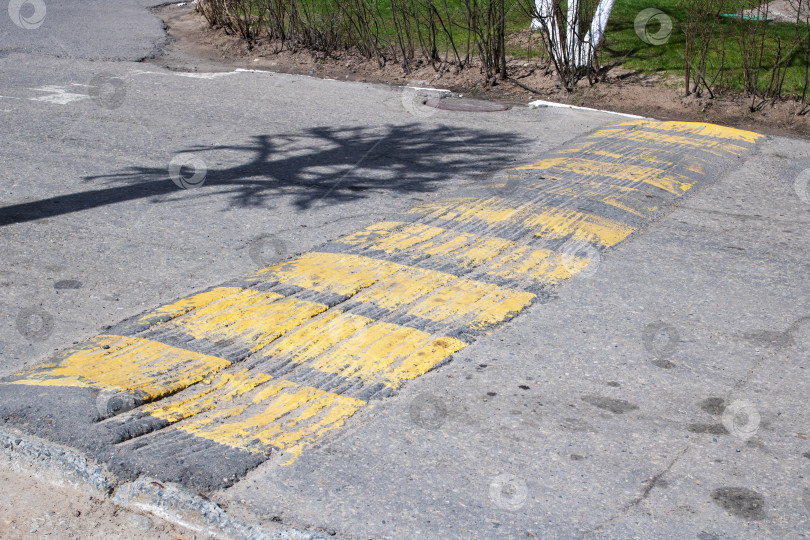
(58, 95)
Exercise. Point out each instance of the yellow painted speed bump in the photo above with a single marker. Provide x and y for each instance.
(225, 378)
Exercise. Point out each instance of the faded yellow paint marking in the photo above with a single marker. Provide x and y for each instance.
(330, 272)
(546, 266)
(208, 396)
(668, 181)
(387, 284)
(465, 209)
(699, 128)
(621, 203)
(484, 303)
(603, 193)
(403, 287)
(552, 221)
(399, 285)
(126, 364)
(385, 353)
(369, 236)
(281, 415)
(469, 250)
(717, 148)
(317, 336)
(185, 305)
(254, 318)
(617, 150)
(406, 237)
(582, 188)
(561, 223)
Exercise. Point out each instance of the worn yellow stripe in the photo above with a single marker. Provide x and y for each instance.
(126, 364)
(185, 305)
(317, 336)
(400, 285)
(253, 318)
(699, 128)
(550, 221)
(603, 193)
(668, 181)
(470, 250)
(355, 346)
(403, 287)
(546, 266)
(280, 415)
(467, 249)
(635, 152)
(623, 203)
(385, 353)
(717, 148)
(466, 209)
(561, 223)
(369, 236)
(207, 396)
(398, 236)
(387, 284)
(478, 304)
(330, 272)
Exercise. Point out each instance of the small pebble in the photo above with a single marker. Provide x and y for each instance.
(139, 522)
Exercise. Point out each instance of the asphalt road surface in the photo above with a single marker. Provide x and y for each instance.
(330, 307)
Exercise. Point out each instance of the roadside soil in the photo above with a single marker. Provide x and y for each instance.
(194, 46)
(41, 507)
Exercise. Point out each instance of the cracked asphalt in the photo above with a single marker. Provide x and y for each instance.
(661, 393)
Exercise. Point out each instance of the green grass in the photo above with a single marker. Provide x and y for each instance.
(622, 45)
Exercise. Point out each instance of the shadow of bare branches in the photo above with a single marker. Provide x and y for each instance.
(329, 165)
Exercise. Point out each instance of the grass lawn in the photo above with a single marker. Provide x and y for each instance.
(623, 45)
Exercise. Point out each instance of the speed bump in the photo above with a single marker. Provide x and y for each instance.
(203, 389)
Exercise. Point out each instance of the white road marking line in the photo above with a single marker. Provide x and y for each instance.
(540, 103)
(58, 95)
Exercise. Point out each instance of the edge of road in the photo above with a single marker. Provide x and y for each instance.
(173, 503)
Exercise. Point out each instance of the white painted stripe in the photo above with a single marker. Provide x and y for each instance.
(541, 103)
(427, 89)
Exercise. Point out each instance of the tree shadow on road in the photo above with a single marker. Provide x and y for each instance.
(322, 165)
